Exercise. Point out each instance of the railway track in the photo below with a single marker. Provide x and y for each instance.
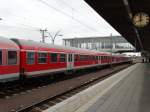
(40, 97)
(57, 99)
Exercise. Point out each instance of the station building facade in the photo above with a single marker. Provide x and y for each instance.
(109, 43)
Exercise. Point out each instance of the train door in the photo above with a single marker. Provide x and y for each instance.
(99, 59)
(70, 61)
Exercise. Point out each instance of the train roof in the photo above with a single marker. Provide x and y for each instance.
(6, 43)
(33, 45)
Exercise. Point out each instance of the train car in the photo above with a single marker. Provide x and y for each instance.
(41, 58)
(120, 58)
(9, 60)
(87, 58)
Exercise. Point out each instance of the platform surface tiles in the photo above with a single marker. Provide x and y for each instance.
(131, 95)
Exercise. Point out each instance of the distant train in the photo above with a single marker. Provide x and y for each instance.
(22, 58)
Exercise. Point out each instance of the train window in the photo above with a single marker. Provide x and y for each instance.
(0, 57)
(102, 57)
(88, 57)
(30, 57)
(75, 57)
(93, 57)
(79, 57)
(85, 57)
(70, 58)
(96, 58)
(113, 59)
(42, 58)
(99, 57)
(82, 57)
(12, 57)
(53, 57)
(62, 57)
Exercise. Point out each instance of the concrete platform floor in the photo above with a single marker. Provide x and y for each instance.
(131, 95)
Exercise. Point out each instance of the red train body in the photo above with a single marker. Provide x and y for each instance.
(9, 60)
(31, 59)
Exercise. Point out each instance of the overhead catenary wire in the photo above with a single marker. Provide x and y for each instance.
(68, 15)
(72, 8)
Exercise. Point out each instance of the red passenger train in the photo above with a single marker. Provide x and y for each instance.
(30, 59)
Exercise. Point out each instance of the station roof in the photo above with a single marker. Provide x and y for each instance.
(116, 39)
(119, 13)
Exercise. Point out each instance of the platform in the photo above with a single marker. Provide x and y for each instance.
(130, 94)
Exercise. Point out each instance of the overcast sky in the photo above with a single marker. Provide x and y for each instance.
(74, 18)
